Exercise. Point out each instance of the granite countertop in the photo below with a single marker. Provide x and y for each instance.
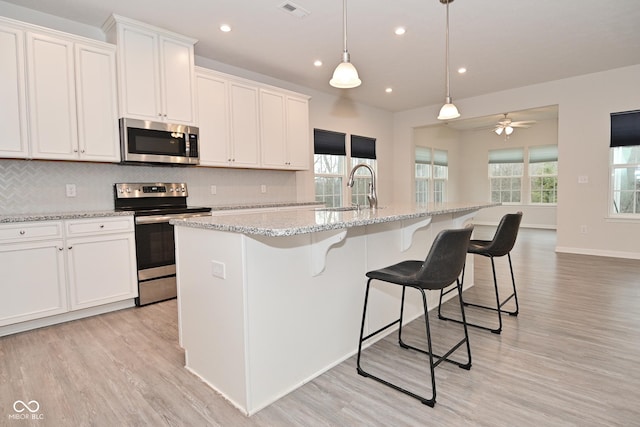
(302, 221)
(262, 205)
(54, 216)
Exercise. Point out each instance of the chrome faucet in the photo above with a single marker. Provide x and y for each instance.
(372, 197)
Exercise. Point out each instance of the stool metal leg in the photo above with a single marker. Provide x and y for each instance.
(429, 352)
(499, 304)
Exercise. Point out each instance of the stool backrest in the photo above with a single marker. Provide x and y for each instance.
(505, 236)
(445, 259)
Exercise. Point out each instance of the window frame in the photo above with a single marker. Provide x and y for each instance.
(433, 159)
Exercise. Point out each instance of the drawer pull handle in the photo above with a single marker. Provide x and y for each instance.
(22, 232)
(60, 249)
(70, 247)
(101, 225)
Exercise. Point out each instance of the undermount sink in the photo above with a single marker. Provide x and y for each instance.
(339, 209)
(344, 209)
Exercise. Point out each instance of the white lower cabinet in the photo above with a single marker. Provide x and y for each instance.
(56, 267)
(100, 267)
(33, 281)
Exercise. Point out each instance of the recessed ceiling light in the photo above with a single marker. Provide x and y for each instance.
(388, 90)
(317, 63)
(225, 28)
(400, 31)
(462, 70)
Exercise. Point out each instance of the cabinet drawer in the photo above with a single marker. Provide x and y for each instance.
(28, 231)
(94, 226)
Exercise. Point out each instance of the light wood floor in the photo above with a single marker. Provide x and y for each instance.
(569, 359)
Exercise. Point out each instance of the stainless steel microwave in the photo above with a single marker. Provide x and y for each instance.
(143, 141)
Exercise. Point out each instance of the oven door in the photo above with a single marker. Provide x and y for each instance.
(155, 253)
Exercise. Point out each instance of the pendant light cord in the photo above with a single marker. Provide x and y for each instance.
(447, 53)
(344, 24)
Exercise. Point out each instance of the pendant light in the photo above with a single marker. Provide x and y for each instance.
(345, 75)
(448, 110)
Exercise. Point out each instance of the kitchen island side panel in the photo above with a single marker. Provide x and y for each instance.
(212, 315)
(300, 324)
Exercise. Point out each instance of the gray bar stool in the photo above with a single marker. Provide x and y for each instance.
(442, 267)
(503, 241)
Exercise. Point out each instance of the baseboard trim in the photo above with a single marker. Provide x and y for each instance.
(597, 252)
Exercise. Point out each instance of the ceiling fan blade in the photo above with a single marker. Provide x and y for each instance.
(523, 122)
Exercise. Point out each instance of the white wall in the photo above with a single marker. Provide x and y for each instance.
(585, 103)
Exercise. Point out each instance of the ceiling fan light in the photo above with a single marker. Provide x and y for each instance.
(508, 130)
(448, 111)
(345, 75)
(499, 131)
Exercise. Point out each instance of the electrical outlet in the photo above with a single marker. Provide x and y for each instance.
(214, 189)
(71, 190)
(583, 179)
(218, 269)
(263, 188)
(583, 229)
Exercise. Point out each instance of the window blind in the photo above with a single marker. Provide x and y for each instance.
(507, 155)
(440, 158)
(363, 147)
(329, 142)
(423, 155)
(625, 128)
(543, 153)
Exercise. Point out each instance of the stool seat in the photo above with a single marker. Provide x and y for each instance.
(442, 267)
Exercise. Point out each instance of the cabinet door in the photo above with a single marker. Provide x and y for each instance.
(298, 142)
(34, 285)
(139, 74)
(273, 129)
(13, 110)
(213, 120)
(52, 104)
(98, 136)
(245, 135)
(101, 269)
(177, 74)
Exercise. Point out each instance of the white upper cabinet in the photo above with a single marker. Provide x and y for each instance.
(228, 121)
(70, 112)
(52, 103)
(98, 132)
(156, 71)
(245, 134)
(245, 124)
(213, 119)
(13, 107)
(284, 124)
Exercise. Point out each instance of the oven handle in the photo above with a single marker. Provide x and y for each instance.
(155, 219)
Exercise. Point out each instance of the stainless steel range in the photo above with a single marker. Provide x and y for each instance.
(154, 205)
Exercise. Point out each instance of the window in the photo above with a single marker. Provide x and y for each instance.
(431, 175)
(543, 174)
(363, 150)
(505, 175)
(625, 163)
(423, 174)
(330, 167)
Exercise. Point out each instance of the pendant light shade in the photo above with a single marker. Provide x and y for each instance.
(448, 110)
(345, 75)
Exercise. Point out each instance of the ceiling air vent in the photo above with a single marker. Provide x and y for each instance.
(293, 9)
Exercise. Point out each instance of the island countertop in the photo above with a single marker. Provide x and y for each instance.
(303, 221)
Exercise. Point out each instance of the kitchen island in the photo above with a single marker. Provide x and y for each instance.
(268, 301)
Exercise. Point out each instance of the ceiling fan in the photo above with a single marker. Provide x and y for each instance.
(507, 126)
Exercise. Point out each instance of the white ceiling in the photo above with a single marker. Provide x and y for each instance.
(503, 43)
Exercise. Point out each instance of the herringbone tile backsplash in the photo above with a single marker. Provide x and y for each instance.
(34, 186)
